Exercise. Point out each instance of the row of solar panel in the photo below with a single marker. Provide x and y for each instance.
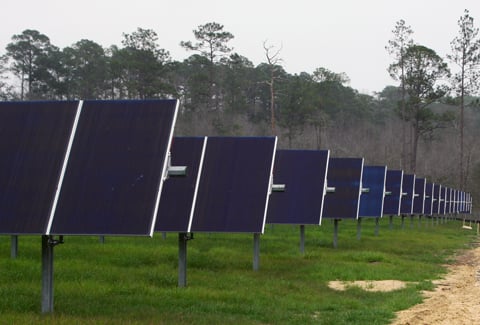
(100, 168)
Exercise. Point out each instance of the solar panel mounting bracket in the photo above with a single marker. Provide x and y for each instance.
(365, 190)
(54, 242)
(329, 189)
(388, 192)
(173, 171)
(278, 187)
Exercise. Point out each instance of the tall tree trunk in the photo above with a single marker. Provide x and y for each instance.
(462, 108)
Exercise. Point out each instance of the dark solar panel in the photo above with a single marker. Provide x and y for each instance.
(234, 185)
(178, 194)
(419, 197)
(116, 168)
(304, 174)
(436, 199)
(443, 200)
(428, 199)
(406, 206)
(34, 138)
(345, 175)
(448, 204)
(393, 184)
(371, 202)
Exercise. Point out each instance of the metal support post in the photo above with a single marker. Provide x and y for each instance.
(256, 251)
(359, 228)
(335, 233)
(14, 246)
(302, 239)
(182, 258)
(377, 226)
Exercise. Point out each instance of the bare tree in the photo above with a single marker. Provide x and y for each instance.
(273, 61)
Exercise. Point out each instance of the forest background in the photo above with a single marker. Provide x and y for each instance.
(426, 123)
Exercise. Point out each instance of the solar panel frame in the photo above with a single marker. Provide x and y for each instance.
(448, 204)
(406, 206)
(304, 173)
(235, 166)
(443, 200)
(345, 175)
(179, 194)
(372, 202)
(419, 196)
(429, 198)
(117, 165)
(34, 141)
(436, 198)
(393, 184)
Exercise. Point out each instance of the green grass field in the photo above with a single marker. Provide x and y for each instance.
(134, 280)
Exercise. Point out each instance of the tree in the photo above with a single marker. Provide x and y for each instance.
(397, 47)
(27, 51)
(212, 44)
(142, 64)
(274, 66)
(423, 70)
(466, 56)
(86, 64)
(6, 90)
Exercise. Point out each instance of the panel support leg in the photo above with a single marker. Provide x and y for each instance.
(14, 246)
(403, 221)
(101, 239)
(411, 221)
(359, 228)
(377, 226)
(390, 225)
(48, 243)
(182, 258)
(335, 233)
(256, 251)
(302, 239)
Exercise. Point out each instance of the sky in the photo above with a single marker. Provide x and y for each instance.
(346, 36)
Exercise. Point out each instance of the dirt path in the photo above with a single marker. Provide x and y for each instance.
(456, 299)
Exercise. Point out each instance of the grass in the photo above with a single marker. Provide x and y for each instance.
(134, 280)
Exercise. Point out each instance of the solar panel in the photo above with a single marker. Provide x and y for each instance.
(406, 205)
(178, 195)
(419, 196)
(436, 199)
(448, 203)
(304, 174)
(393, 185)
(429, 196)
(443, 200)
(234, 185)
(371, 202)
(33, 141)
(345, 175)
(116, 168)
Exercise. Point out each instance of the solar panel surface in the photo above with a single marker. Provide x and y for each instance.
(115, 172)
(436, 199)
(304, 174)
(393, 184)
(33, 141)
(406, 205)
(419, 198)
(234, 185)
(428, 199)
(371, 203)
(345, 175)
(178, 194)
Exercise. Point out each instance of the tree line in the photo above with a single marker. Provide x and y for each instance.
(425, 124)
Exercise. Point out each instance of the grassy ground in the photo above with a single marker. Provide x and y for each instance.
(134, 280)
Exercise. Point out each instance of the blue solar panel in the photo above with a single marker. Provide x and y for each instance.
(373, 179)
(33, 141)
(304, 174)
(419, 196)
(234, 185)
(448, 204)
(436, 199)
(345, 175)
(428, 199)
(178, 194)
(406, 206)
(393, 184)
(116, 168)
(443, 200)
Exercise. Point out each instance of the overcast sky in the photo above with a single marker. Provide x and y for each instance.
(341, 35)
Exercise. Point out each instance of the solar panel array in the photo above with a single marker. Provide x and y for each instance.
(102, 168)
